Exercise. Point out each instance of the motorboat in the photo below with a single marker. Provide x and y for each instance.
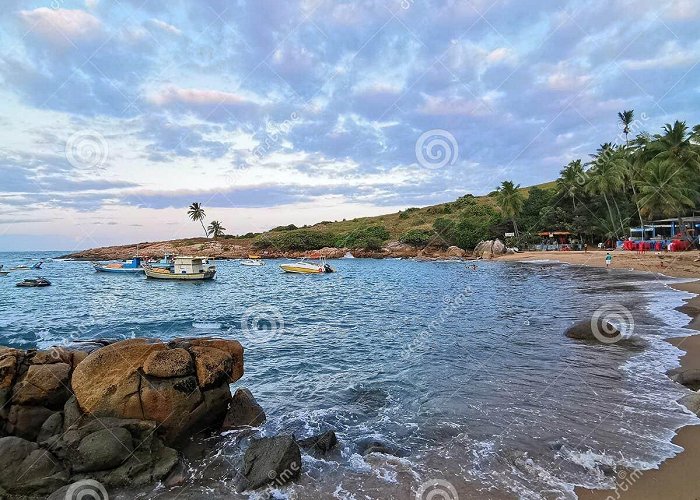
(184, 268)
(348, 255)
(253, 261)
(3, 273)
(165, 263)
(23, 267)
(128, 266)
(34, 283)
(304, 267)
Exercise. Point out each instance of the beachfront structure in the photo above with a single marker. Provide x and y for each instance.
(557, 240)
(665, 229)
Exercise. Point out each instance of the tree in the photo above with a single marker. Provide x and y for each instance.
(215, 229)
(626, 118)
(571, 180)
(605, 179)
(510, 199)
(663, 191)
(196, 213)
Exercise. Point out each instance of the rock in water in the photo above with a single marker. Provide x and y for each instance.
(26, 469)
(601, 332)
(272, 460)
(243, 411)
(322, 443)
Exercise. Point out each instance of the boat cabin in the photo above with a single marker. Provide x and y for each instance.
(189, 265)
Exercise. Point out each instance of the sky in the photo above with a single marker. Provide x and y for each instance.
(116, 115)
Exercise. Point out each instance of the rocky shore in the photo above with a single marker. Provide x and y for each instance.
(116, 415)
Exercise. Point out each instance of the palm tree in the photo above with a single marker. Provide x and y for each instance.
(570, 180)
(605, 178)
(196, 213)
(510, 199)
(215, 229)
(675, 144)
(630, 163)
(626, 118)
(663, 191)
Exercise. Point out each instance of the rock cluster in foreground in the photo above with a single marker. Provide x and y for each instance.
(118, 413)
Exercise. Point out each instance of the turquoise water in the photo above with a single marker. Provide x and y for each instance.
(465, 375)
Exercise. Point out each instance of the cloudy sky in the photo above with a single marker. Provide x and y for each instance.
(115, 115)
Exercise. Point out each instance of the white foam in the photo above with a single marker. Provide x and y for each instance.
(206, 325)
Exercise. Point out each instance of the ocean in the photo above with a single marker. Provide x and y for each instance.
(463, 378)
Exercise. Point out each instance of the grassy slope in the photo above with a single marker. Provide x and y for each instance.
(421, 218)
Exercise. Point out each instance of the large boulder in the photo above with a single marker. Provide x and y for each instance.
(498, 247)
(26, 469)
(27, 421)
(483, 250)
(601, 331)
(243, 411)
(271, 460)
(182, 385)
(44, 384)
(455, 252)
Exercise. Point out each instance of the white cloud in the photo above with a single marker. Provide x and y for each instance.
(197, 97)
(162, 25)
(62, 26)
(671, 55)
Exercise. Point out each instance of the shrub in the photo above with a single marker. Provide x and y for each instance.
(417, 237)
(371, 237)
(473, 225)
(289, 227)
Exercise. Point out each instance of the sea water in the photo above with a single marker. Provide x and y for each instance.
(461, 376)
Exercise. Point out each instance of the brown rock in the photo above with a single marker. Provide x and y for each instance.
(454, 251)
(54, 355)
(78, 356)
(233, 347)
(26, 421)
(170, 402)
(170, 363)
(212, 365)
(8, 368)
(44, 385)
(107, 382)
(243, 411)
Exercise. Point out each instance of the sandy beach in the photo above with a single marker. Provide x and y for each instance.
(677, 477)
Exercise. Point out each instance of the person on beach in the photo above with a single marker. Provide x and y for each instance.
(585, 248)
(608, 260)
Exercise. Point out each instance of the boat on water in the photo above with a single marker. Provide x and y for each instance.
(184, 268)
(165, 263)
(23, 267)
(34, 283)
(348, 255)
(253, 261)
(128, 266)
(3, 273)
(304, 267)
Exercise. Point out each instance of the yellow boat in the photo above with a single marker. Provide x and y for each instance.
(183, 269)
(303, 267)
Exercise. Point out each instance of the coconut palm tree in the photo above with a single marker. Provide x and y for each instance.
(215, 229)
(663, 191)
(605, 179)
(626, 118)
(630, 163)
(675, 144)
(571, 180)
(196, 213)
(510, 199)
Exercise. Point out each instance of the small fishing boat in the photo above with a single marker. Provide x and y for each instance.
(3, 273)
(34, 283)
(253, 261)
(23, 267)
(348, 255)
(184, 268)
(127, 266)
(303, 267)
(165, 263)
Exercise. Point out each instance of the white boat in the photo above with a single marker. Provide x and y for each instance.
(348, 255)
(252, 263)
(303, 267)
(184, 268)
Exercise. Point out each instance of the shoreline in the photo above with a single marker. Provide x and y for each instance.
(677, 476)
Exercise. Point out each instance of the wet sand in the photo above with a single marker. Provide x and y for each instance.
(677, 477)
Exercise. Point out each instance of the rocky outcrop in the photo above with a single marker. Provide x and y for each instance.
(271, 460)
(111, 412)
(489, 249)
(243, 411)
(456, 252)
(182, 385)
(322, 443)
(586, 330)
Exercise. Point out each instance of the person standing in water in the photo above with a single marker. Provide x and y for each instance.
(608, 260)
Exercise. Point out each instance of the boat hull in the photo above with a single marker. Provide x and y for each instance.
(301, 269)
(102, 269)
(163, 274)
